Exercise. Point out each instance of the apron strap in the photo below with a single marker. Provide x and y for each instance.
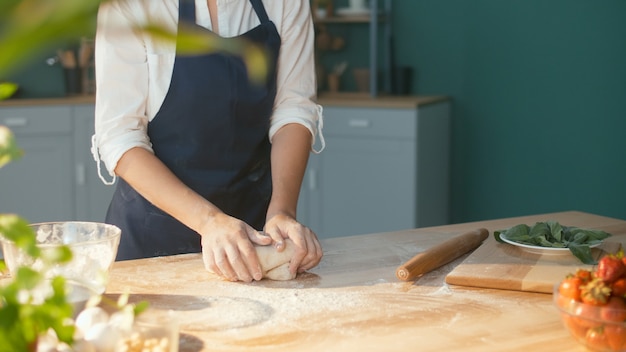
(187, 10)
(260, 11)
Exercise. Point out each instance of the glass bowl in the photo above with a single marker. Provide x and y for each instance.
(589, 326)
(93, 245)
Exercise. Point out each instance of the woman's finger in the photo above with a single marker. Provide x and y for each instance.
(209, 263)
(224, 266)
(250, 261)
(278, 241)
(300, 253)
(314, 252)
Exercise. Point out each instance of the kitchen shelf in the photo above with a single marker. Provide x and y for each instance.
(378, 16)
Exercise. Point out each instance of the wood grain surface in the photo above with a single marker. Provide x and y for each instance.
(353, 302)
(441, 254)
(504, 266)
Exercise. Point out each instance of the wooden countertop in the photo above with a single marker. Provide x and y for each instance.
(353, 302)
(383, 101)
(325, 99)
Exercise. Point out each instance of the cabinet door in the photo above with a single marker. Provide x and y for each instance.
(92, 195)
(366, 186)
(366, 175)
(40, 185)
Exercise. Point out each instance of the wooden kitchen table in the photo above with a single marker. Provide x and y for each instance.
(353, 301)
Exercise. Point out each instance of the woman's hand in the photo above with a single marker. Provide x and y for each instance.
(228, 250)
(308, 251)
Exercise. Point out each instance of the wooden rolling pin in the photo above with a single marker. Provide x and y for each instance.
(441, 254)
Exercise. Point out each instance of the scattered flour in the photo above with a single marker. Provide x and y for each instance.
(255, 304)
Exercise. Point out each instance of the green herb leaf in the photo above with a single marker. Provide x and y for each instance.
(515, 233)
(540, 229)
(551, 234)
(582, 252)
(556, 230)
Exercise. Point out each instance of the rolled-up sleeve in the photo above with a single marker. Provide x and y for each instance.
(296, 96)
(122, 84)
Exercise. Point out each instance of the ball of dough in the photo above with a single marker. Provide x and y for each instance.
(275, 264)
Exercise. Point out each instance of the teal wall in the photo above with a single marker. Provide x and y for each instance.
(538, 89)
(539, 92)
(38, 79)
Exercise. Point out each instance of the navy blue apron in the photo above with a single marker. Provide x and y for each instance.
(212, 132)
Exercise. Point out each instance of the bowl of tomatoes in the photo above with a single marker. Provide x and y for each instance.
(592, 304)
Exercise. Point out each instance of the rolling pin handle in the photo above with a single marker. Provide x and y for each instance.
(441, 254)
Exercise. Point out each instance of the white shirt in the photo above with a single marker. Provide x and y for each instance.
(133, 69)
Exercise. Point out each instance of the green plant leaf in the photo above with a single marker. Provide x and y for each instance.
(27, 278)
(9, 314)
(59, 310)
(192, 41)
(17, 229)
(8, 148)
(29, 27)
(140, 307)
(56, 255)
(7, 89)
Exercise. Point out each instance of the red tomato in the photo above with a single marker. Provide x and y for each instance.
(614, 309)
(566, 303)
(596, 339)
(615, 336)
(610, 268)
(618, 288)
(570, 287)
(587, 315)
(578, 330)
(585, 275)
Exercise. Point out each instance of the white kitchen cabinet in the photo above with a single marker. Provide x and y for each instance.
(384, 168)
(40, 185)
(55, 179)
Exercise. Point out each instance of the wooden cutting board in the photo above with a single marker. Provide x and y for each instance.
(504, 266)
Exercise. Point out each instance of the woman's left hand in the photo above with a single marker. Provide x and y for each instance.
(308, 251)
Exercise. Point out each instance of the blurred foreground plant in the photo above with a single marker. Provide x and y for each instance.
(24, 316)
(29, 28)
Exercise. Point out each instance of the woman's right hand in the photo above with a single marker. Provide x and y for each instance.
(228, 250)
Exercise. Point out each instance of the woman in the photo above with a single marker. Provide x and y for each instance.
(205, 158)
